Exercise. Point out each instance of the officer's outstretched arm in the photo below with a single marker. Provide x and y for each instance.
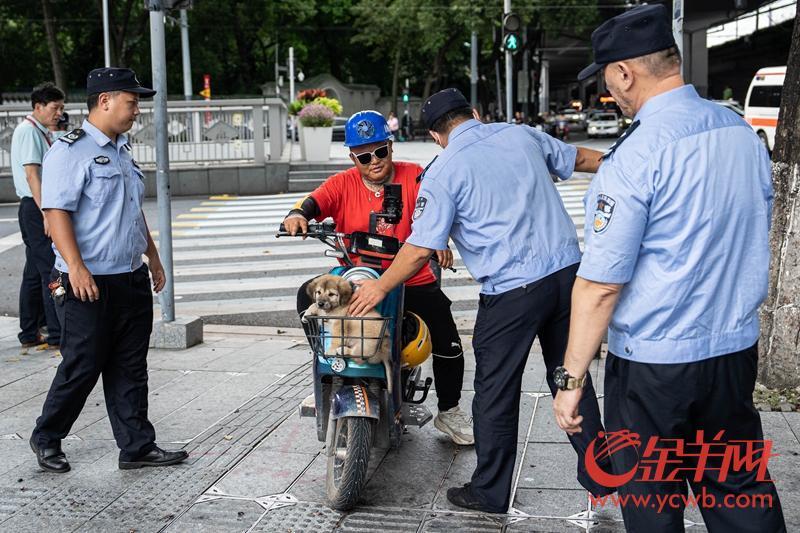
(63, 235)
(587, 160)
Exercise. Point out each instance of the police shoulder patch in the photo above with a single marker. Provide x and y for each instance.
(603, 212)
(102, 160)
(419, 207)
(72, 136)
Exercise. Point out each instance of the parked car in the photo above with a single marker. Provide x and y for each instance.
(603, 124)
(732, 105)
(575, 119)
(763, 103)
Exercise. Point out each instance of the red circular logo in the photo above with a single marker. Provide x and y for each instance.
(608, 444)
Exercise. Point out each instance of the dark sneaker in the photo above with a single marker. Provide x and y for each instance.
(462, 497)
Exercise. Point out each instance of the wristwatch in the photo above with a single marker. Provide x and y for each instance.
(566, 382)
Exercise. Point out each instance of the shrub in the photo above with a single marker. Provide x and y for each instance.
(331, 103)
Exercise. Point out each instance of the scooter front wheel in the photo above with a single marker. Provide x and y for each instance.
(348, 461)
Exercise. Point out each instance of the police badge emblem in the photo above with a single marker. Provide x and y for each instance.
(603, 212)
(102, 160)
(419, 207)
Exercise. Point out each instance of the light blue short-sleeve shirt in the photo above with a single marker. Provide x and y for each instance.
(491, 191)
(102, 187)
(680, 214)
(29, 143)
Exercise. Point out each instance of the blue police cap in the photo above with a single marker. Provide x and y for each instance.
(441, 103)
(104, 80)
(635, 33)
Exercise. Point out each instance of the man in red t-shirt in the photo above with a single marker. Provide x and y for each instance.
(349, 198)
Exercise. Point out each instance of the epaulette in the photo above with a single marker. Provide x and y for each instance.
(625, 135)
(422, 174)
(72, 136)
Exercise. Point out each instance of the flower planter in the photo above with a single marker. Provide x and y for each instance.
(300, 140)
(317, 143)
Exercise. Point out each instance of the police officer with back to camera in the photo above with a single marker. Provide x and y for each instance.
(676, 264)
(491, 191)
(92, 191)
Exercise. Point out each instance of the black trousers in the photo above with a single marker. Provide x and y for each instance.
(674, 401)
(433, 307)
(108, 337)
(34, 296)
(505, 329)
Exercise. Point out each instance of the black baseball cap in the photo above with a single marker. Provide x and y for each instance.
(103, 80)
(635, 33)
(440, 103)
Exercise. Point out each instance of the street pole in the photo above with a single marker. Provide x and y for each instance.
(186, 56)
(106, 39)
(158, 58)
(473, 71)
(509, 73)
(291, 83)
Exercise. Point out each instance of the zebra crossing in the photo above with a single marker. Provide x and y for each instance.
(230, 268)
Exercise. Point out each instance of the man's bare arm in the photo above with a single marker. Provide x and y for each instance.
(587, 160)
(33, 174)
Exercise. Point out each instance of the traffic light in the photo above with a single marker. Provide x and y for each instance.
(512, 25)
(405, 96)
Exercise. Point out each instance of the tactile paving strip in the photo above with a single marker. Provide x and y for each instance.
(447, 523)
(68, 502)
(378, 519)
(14, 499)
(299, 518)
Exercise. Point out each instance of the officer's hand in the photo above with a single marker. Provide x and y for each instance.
(157, 273)
(445, 258)
(83, 285)
(296, 224)
(366, 297)
(565, 406)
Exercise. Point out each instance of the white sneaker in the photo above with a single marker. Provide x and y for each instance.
(457, 425)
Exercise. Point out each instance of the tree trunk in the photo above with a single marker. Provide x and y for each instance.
(52, 44)
(436, 71)
(395, 79)
(780, 314)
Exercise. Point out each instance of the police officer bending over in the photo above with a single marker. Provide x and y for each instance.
(676, 265)
(490, 190)
(92, 193)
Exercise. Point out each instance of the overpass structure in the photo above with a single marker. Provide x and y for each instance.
(564, 56)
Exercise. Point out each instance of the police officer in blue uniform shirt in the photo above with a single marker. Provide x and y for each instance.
(676, 265)
(491, 191)
(92, 191)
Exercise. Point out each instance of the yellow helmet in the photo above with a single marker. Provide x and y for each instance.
(417, 346)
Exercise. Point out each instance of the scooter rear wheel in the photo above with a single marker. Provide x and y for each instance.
(348, 461)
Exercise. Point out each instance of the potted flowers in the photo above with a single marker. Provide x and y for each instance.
(317, 122)
(305, 98)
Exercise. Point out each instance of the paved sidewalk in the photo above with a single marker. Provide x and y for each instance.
(256, 466)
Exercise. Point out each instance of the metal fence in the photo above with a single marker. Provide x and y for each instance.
(200, 132)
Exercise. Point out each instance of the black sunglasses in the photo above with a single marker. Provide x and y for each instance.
(366, 157)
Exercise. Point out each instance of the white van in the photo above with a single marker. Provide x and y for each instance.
(763, 103)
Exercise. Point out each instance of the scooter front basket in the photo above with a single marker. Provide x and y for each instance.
(348, 336)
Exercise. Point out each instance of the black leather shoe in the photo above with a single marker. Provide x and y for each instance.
(50, 459)
(155, 457)
(462, 497)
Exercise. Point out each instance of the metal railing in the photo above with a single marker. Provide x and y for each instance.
(200, 132)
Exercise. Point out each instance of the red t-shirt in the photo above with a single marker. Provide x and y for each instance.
(346, 199)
